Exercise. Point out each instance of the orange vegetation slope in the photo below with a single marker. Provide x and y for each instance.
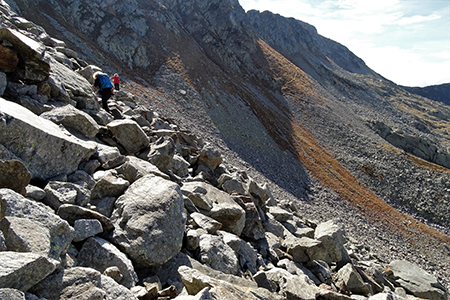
(322, 164)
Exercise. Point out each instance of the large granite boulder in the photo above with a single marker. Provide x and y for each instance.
(21, 271)
(149, 221)
(43, 147)
(60, 232)
(416, 281)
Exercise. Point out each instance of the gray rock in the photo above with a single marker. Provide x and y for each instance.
(262, 193)
(34, 192)
(135, 168)
(23, 235)
(180, 166)
(109, 157)
(246, 254)
(23, 270)
(298, 269)
(161, 154)
(99, 254)
(305, 249)
(61, 234)
(129, 135)
(66, 84)
(149, 222)
(86, 228)
(71, 213)
(14, 175)
(46, 150)
(231, 184)
(195, 282)
(387, 296)
(193, 239)
(58, 193)
(11, 294)
(298, 287)
(280, 214)
(333, 237)
(85, 283)
(217, 254)
(210, 157)
(348, 279)
(3, 83)
(109, 185)
(207, 223)
(2, 242)
(73, 120)
(224, 209)
(253, 228)
(33, 66)
(197, 194)
(416, 281)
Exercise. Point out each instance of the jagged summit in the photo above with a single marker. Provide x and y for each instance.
(314, 130)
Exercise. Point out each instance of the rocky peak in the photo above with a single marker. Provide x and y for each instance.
(302, 44)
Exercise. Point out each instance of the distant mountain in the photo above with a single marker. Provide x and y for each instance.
(439, 92)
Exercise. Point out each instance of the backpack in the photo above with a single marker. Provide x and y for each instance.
(105, 83)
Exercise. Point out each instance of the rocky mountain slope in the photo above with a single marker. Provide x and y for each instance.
(440, 92)
(306, 137)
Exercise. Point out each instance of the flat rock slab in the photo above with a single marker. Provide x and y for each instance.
(46, 149)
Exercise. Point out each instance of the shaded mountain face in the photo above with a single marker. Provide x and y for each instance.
(439, 92)
(299, 109)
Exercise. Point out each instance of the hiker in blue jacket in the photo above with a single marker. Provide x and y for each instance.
(103, 82)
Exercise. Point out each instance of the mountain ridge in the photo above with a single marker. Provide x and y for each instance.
(257, 79)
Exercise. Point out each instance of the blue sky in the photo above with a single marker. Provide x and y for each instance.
(406, 41)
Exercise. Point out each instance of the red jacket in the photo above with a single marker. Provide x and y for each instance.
(116, 79)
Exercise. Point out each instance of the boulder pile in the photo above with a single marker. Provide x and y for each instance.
(129, 206)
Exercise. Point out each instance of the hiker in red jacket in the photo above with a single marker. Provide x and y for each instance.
(116, 81)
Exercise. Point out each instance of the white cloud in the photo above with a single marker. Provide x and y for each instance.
(404, 67)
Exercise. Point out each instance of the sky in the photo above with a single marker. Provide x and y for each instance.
(406, 41)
